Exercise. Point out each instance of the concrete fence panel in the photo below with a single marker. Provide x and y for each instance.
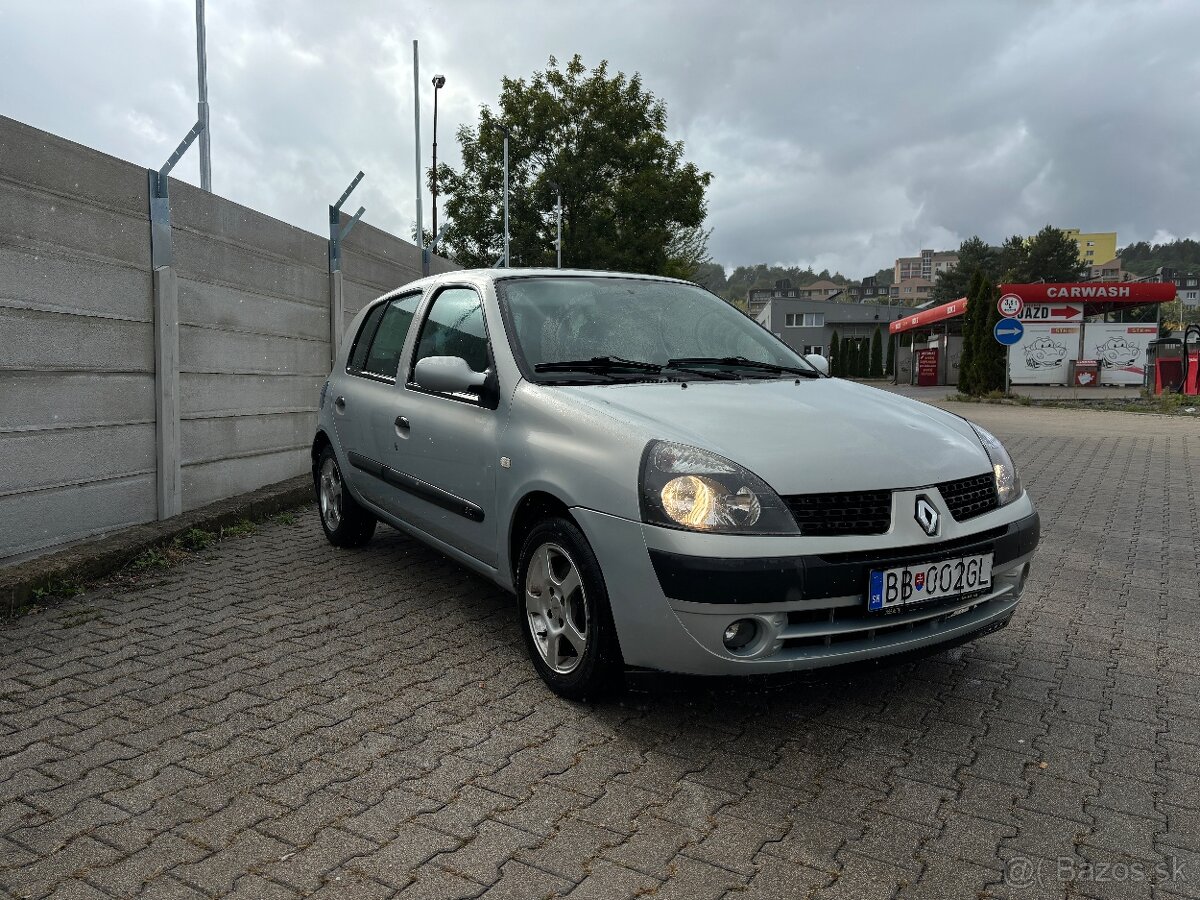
(86, 373)
(76, 342)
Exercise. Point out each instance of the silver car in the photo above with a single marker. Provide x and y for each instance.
(661, 481)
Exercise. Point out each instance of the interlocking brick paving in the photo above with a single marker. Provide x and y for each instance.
(273, 718)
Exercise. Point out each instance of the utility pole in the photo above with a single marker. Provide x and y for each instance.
(420, 238)
(202, 103)
(558, 217)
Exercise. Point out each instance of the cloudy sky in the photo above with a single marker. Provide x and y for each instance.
(840, 134)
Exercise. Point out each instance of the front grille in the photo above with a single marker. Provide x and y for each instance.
(970, 497)
(854, 512)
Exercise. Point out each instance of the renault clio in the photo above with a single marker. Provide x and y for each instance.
(661, 482)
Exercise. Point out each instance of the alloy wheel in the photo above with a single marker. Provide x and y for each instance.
(556, 608)
(331, 494)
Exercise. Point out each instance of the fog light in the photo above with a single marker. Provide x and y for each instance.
(739, 634)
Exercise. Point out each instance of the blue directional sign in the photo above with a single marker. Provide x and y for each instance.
(1009, 331)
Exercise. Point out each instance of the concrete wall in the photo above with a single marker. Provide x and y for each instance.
(77, 353)
(76, 344)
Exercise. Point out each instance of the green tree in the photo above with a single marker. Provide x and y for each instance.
(630, 200)
(835, 355)
(889, 368)
(991, 357)
(971, 319)
(876, 370)
(687, 251)
(973, 253)
(846, 366)
(1051, 256)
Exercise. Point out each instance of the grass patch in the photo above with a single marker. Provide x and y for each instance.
(197, 539)
(238, 529)
(58, 587)
(285, 518)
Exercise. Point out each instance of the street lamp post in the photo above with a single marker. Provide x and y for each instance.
(439, 82)
(202, 99)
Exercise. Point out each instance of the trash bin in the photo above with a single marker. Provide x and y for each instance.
(1085, 372)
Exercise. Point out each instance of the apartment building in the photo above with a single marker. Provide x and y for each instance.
(926, 266)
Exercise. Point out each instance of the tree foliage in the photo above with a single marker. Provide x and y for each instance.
(1047, 256)
(629, 198)
(835, 355)
(876, 370)
(1143, 258)
(982, 364)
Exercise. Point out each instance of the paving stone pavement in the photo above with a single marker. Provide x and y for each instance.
(276, 718)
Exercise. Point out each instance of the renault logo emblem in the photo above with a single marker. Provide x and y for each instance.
(927, 516)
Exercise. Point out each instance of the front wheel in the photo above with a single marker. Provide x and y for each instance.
(345, 523)
(564, 613)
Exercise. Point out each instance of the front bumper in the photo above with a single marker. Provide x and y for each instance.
(671, 607)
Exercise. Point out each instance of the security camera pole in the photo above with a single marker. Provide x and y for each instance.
(439, 82)
(420, 235)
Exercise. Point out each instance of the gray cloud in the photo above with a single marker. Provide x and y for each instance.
(841, 135)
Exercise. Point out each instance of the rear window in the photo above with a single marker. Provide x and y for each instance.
(381, 339)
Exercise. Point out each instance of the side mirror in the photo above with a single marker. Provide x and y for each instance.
(819, 362)
(447, 375)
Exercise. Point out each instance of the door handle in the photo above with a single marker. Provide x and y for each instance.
(340, 402)
(402, 422)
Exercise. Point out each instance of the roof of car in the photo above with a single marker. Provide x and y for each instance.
(495, 273)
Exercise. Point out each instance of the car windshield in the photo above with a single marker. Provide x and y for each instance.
(576, 328)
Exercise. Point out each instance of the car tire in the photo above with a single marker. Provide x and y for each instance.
(345, 523)
(564, 614)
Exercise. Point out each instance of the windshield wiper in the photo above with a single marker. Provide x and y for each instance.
(741, 362)
(598, 364)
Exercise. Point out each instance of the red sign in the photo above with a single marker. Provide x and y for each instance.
(929, 316)
(927, 368)
(1010, 305)
(1094, 292)
(1052, 312)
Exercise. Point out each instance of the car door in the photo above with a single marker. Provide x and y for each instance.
(367, 386)
(444, 446)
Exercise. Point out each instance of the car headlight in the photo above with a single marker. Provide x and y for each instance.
(1008, 481)
(686, 487)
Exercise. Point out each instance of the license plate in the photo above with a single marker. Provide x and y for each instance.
(890, 588)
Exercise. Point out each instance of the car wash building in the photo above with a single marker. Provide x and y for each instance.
(1081, 334)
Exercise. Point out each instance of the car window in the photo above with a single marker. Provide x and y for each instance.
(572, 318)
(454, 327)
(384, 355)
(362, 341)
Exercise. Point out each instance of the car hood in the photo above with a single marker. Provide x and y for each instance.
(808, 437)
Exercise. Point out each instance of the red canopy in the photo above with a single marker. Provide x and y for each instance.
(1097, 297)
(929, 316)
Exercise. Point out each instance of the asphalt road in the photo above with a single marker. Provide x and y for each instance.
(271, 718)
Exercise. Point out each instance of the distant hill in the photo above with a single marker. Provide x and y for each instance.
(1143, 258)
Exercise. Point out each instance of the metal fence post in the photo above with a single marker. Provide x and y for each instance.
(169, 487)
(165, 288)
(337, 234)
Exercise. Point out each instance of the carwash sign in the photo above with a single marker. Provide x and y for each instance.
(1125, 293)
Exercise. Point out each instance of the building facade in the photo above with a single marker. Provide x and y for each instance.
(807, 326)
(1094, 246)
(926, 266)
(1187, 285)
